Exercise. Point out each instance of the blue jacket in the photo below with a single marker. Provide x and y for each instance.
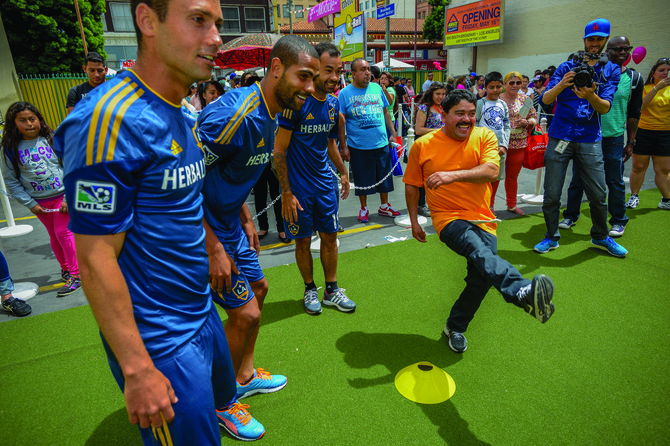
(575, 119)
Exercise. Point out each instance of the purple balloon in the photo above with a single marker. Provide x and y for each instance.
(638, 54)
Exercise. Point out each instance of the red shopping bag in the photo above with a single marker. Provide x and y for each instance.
(537, 145)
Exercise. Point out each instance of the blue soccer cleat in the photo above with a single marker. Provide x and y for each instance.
(262, 382)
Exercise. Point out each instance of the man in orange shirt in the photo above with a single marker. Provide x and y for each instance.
(456, 165)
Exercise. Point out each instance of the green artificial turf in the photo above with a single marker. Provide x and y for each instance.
(597, 373)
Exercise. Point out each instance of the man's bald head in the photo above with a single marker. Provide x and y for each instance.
(618, 42)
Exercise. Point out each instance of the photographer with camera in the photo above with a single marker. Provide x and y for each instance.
(622, 118)
(583, 87)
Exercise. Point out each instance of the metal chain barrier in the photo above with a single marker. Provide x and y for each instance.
(354, 187)
(255, 217)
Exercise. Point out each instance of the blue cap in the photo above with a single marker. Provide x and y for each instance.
(232, 75)
(598, 27)
(473, 74)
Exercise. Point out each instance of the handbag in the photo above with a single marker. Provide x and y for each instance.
(537, 145)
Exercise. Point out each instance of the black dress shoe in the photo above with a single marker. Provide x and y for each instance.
(284, 239)
(262, 236)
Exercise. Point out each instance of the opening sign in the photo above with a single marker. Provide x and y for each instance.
(473, 24)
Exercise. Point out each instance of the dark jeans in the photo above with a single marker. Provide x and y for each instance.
(485, 270)
(265, 181)
(616, 198)
(588, 159)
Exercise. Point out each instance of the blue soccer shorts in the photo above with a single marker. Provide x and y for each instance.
(319, 214)
(246, 260)
(202, 376)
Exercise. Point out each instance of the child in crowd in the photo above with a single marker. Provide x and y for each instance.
(492, 113)
(33, 174)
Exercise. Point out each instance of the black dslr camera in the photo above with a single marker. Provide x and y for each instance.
(584, 73)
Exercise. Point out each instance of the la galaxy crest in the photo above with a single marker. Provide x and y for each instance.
(240, 290)
(293, 228)
(331, 114)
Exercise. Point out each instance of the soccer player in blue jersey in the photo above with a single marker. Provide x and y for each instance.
(237, 132)
(305, 140)
(133, 177)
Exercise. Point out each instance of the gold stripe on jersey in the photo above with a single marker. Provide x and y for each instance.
(154, 91)
(265, 102)
(90, 143)
(240, 111)
(253, 106)
(194, 129)
(117, 122)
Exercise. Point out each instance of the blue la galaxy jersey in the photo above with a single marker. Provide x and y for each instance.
(237, 132)
(307, 155)
(133, 165)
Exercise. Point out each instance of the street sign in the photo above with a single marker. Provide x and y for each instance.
(386, 58)
(386, 11)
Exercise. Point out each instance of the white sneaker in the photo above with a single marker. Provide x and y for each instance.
(664, 205)
(617, 230)
(388, 211)
(633, 202)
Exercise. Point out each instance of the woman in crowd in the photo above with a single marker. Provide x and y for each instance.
(523, 118)
(653, 136)
(244, 77)
(196, 100)
(186, 101)
(524, 87)
(478, 88)
(539, 86)
(212, 90)
(386, 82)
(428, 119)
(450, 84)
(410, 91)
(460, 83)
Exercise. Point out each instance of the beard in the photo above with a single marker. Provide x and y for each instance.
(285, 97)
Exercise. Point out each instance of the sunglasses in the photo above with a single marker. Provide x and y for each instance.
(515, 82)
(621, 49)
(663, 60)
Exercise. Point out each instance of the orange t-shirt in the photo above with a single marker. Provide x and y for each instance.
(436, 152)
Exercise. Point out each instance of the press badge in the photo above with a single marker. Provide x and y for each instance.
(561, 146)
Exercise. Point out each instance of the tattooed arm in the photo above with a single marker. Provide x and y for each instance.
(290, 204)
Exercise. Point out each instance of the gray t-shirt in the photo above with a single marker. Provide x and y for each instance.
(40, 173)
(494, 115)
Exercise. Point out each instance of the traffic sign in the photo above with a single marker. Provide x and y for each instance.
(386, 11)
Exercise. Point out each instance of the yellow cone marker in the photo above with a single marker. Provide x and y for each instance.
(425, 383)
